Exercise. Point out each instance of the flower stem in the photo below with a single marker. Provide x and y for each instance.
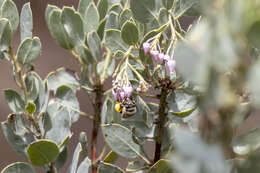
(160, 126)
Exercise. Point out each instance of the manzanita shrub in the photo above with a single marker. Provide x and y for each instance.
(187, 91)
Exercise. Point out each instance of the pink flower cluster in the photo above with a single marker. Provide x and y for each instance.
(160, 58)
(121, 92)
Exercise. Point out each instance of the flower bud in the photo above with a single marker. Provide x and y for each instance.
(146, 47)
(128, 90)
(170, 66)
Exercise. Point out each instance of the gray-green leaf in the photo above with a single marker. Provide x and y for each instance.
(26, 22)
(129, 33)
(114, 41)
(121, 140)
(10, 12)
(102, 8)
(5, 34)
(106, 167)
(14, 100)
(18, 167)
(57, 29)
(143, 10)
(94, 45)
(91, 18)
(73, 25)
(29, 50)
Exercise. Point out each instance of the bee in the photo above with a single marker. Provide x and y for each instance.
(126, 108)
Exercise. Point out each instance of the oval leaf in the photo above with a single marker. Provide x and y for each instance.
(29, 50)
(10, 12)
(121, 140)
(129, 33)
(14, 100)
(114, 41)
(106, 167)
(26, 21)
(102, 8)
(143, 10)
(94, 44)
(18, 167)
(91, 18)
(73, 25)
(42, 152)
(5, 34)
(57, 30)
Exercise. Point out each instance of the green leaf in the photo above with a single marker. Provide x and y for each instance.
(117, 8)
(29, 50)
(9, 11)
(85, 54)
(61, 160)
(253, 34)
(114, 41)
(91, 18)
(121, 140)
(135, 166)
(161, 166)
(181, 103)
(61, 77)
(106, 167)
(129, 33)
(30, 107)
(102, 8)
(168, 4)
(73, 25)
(66, 97)
(84, 166)
(75, 159)
(35, 87)
(26, 21)
(59, 123)
(110, 69)
(101, 28)
(112, 21)
(187, 7)
(246, 143)
(125, 16)
(111, 157)
(48, 12)
(5, 34)
(143, 10)
(18, 167)
(42, 152)
(82, 6)
(94, 45)
(57, 29)
(16, 134)
(14, 100)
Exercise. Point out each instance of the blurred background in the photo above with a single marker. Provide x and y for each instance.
(52, 57)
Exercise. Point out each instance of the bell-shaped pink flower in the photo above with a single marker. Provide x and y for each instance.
(160, 58)
(122, 95)
(146, 47)
(170, 66)
(128, 90)
(155, 54)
